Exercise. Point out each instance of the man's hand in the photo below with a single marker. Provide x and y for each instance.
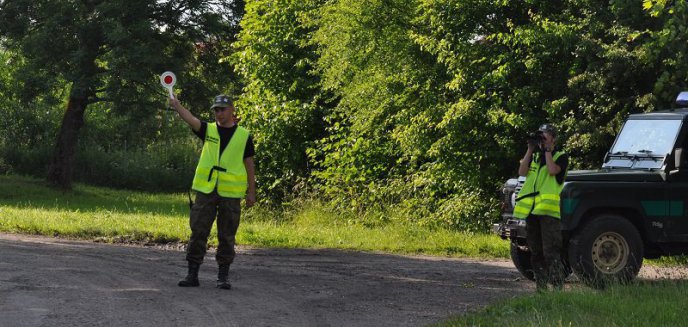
(250, 199)
(251, 176)
(173, 102)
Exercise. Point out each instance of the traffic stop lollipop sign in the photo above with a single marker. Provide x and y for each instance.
(167, 79)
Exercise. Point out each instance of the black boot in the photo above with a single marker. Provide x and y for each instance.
(191, 279)
(223, 278)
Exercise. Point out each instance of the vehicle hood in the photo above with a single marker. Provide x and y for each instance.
(620, 175)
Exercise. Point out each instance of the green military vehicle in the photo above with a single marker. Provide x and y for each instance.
(634, 207)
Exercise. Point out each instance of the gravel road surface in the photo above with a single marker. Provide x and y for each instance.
(57, 282)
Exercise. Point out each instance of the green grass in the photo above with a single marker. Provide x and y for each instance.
(657, 303)
(28, 206)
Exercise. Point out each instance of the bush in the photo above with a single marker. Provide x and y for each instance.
(5, 169)
(161, 166)
(165, 167)
(32, 161)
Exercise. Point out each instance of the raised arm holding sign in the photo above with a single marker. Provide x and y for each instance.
(167, 80)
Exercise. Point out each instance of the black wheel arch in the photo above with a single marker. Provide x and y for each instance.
(631, 214)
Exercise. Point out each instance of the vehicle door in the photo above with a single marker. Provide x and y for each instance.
(649, 142)
(676, 223)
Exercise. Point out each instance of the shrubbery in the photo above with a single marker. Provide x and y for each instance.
(160, 167)
(389, 110)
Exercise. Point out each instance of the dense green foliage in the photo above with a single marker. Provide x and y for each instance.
(381, 108)
(428, 101)
(281, 102)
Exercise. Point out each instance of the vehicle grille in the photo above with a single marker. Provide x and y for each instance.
(518, 188)
(508, 206)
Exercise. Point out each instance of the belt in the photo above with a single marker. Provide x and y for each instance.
(218, 168)
(520, 197)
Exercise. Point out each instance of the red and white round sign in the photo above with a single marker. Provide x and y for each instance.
(167, 80)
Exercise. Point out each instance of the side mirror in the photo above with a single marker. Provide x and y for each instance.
(678, 160)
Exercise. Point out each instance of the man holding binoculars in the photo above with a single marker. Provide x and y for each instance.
(538, 203)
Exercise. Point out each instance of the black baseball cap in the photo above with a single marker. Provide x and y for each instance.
(549, 128)
(222, 101)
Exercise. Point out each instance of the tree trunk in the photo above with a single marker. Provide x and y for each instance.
(61, 166)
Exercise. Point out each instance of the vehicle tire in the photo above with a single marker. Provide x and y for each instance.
(608, 249)
(521, 259)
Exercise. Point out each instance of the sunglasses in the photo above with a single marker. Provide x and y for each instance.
(220, 109)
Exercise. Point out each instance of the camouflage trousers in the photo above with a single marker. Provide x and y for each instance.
(203, 213)
(545, 243)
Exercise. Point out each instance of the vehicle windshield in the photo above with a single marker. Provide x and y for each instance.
(647, 137)
(644, 143)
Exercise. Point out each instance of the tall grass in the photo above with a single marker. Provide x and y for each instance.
(28, 206)
(165, 166)
(314, 225)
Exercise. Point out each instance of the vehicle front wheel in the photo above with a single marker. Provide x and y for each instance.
(606, 250)
(521, 259)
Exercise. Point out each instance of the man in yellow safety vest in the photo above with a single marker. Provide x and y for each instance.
(225, 174)
(538, 203)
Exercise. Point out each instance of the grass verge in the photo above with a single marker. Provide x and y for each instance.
(28, 206)
(645, 303)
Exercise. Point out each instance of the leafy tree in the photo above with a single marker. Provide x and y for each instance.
(399, 135)
(444, 132)
(108, 51)
(666, 48)
(281, 102)
(381, 130)
(25, 125)
(584, 65)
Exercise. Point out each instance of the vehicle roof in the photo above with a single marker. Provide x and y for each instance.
(673, 114)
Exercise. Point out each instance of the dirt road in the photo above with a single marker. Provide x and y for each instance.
(54, 282)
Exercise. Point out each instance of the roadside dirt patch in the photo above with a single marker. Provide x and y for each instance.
(56, 282)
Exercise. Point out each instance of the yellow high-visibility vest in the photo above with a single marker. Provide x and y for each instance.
(540, 192)
(226, 172)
